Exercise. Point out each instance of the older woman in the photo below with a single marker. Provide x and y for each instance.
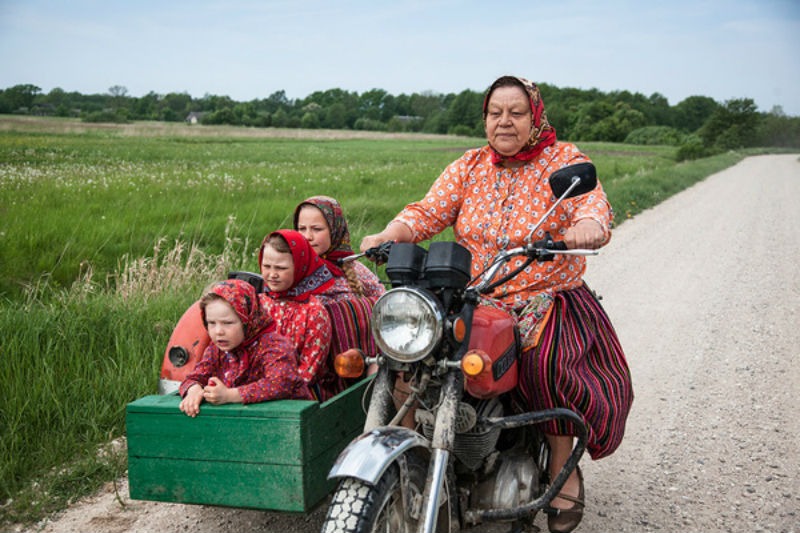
(493, 196)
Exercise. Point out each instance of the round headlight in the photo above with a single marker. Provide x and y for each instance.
(407, 324)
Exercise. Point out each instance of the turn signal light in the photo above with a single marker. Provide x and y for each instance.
(349, 364)
(473, 363)
(459, 329)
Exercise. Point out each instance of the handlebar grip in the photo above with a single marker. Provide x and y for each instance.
(557, 245)
(379, 254)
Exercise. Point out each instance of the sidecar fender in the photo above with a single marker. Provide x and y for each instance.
(368, 457)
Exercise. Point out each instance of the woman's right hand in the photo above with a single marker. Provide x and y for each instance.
(394, 232)
(371, 241)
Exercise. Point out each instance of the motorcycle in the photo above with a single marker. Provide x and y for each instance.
(469, 458)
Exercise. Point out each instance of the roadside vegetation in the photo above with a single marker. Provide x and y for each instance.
(108, 234)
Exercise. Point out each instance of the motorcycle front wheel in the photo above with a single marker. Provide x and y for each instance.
(358, 507)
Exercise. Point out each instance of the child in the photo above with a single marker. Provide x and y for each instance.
(321, 221)
(294, 274)
(247, 361)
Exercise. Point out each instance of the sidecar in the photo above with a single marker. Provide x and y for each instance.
(270, 456)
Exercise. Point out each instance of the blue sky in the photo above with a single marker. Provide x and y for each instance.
(249, 49)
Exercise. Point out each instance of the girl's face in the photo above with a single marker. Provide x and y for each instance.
(508, 120)
(277, 269)
(312, 224)
(224, 325)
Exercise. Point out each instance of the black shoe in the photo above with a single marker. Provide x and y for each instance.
(565, 520)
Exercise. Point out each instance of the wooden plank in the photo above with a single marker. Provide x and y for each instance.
(247, 485)
(275, 409)
(252, 440)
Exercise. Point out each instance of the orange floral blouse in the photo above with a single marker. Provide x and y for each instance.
(492, 208)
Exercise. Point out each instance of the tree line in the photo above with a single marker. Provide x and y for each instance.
(698, 125)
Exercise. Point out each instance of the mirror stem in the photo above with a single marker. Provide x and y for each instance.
(576, 180)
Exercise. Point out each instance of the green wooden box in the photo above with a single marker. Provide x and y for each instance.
(272, 455)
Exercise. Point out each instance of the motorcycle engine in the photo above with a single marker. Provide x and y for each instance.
(474, 442)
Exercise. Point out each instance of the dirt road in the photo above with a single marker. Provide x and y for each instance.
(705, 295)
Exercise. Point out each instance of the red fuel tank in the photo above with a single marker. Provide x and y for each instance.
(493, 336)
(184, 349)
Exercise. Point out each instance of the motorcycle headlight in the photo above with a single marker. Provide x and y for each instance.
(407, 324)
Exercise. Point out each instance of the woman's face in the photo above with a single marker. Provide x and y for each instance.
(312, 224)
(277, 269)
(508, 120)
(224, 325)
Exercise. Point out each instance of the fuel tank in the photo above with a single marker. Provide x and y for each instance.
(184, 349)
(494, 336)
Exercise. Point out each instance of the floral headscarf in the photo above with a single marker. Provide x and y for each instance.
(311, 273)
(244, 300)
(340, 234)
(542, 133)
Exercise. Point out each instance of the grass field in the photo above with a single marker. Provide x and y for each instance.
(107, 233)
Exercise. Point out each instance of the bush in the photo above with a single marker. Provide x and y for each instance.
(369, 124)
(655, 135)
(463, 131)
(693, 148)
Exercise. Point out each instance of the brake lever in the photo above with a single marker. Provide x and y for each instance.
(379, 254)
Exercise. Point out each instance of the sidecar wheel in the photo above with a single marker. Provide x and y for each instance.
(358, 507)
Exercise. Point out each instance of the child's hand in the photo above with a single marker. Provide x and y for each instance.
(217, 393)
(191, 402)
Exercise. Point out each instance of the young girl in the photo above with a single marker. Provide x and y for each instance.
(294, 274)
(247, 361)
(322, 223)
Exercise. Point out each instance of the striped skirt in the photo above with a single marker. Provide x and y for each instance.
(579, 364)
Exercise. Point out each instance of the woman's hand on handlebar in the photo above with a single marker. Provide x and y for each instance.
(394, 232)
(371, 241)
(586, 233)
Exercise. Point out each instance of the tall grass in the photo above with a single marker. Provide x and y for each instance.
(106, 238)
(72, 358)
(68, 200)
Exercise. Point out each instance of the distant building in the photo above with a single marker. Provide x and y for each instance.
(195, 117)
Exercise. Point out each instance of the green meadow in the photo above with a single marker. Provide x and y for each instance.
(108, 233)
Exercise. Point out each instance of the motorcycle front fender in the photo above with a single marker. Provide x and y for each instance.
(369, 455)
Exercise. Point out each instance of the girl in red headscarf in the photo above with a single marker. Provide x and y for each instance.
(294, 275)
(246, 361)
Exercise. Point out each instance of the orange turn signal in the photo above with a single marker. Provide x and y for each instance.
(473, 363)
(459, 329)
(349, 364)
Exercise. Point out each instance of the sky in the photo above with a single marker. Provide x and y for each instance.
(249, 49)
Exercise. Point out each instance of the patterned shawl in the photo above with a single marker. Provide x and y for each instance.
(311, 273)
(340, 234)
(542, 133)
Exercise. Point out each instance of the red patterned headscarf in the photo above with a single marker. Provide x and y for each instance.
(244, 300)
(542, 133)
(337, 224)
(311, 273)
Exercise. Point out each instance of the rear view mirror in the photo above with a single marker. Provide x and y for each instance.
(585, 174)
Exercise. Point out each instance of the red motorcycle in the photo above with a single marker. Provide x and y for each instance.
(469, 458)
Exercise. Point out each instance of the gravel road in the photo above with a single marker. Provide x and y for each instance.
(704, 293)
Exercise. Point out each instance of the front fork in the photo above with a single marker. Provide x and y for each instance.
(442, 444)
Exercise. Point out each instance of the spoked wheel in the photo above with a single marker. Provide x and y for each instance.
(358, 507)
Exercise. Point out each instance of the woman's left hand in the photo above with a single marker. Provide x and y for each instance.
(586, 233)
